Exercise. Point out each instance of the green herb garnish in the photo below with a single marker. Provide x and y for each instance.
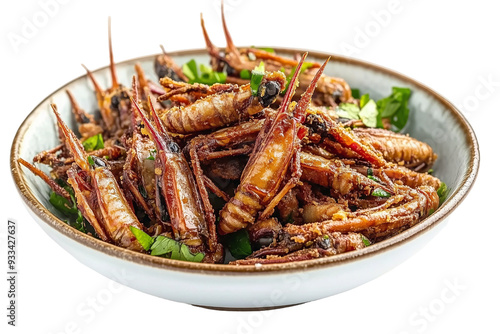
(348, 110)
(165, 247)
(366, 111)
(93, 143)
(395, 107)
(366, 242)
(142, 237)
(430, 171)
(238, 244)
(270, 50)
(68, 208)
(62, 204)
(257, 74)
(374, 178)
(443, 192)
(305, 66)
(380, 193)
(206, 75)
(152, 155)
(245, 74)
(355, 93)
(90, 160)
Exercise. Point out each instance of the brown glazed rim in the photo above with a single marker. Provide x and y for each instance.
(223, 269)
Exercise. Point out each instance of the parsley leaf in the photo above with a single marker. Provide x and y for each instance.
(348, 110)
(238, 244)
(206, 75)
(368, 113)
(395, 107)
(93, 143)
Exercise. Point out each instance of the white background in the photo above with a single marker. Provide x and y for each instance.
(451, 46)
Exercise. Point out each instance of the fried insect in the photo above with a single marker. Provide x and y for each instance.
(100, 200)
(220, 109)
(175, 180)
(329, 90)
(275, 152)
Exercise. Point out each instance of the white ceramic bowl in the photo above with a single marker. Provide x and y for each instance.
(432, 119)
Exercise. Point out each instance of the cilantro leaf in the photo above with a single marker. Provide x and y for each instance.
(369, 113)
(166, 247)
(142, 237)
(364, 100)
(93, 143)
(348, 110)
(238, 244)
(67, 208)
(62, 204)
(206, 75)
(395, 107)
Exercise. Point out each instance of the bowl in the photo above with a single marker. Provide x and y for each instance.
(433, 119)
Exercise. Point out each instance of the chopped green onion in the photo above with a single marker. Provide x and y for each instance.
(374, 178)
(238, 244)
(245, 74)
(430, 171)
(93, 143)
(305, 66)
(366, 242)
(90, 160)
(206, 75)
(270, 50)
(380, 193)
(257, 75)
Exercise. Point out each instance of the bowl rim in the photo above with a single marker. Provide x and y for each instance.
(223, 269)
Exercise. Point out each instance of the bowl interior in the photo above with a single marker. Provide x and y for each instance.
(432, 120)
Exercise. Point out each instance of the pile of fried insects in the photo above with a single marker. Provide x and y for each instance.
(257, 158)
